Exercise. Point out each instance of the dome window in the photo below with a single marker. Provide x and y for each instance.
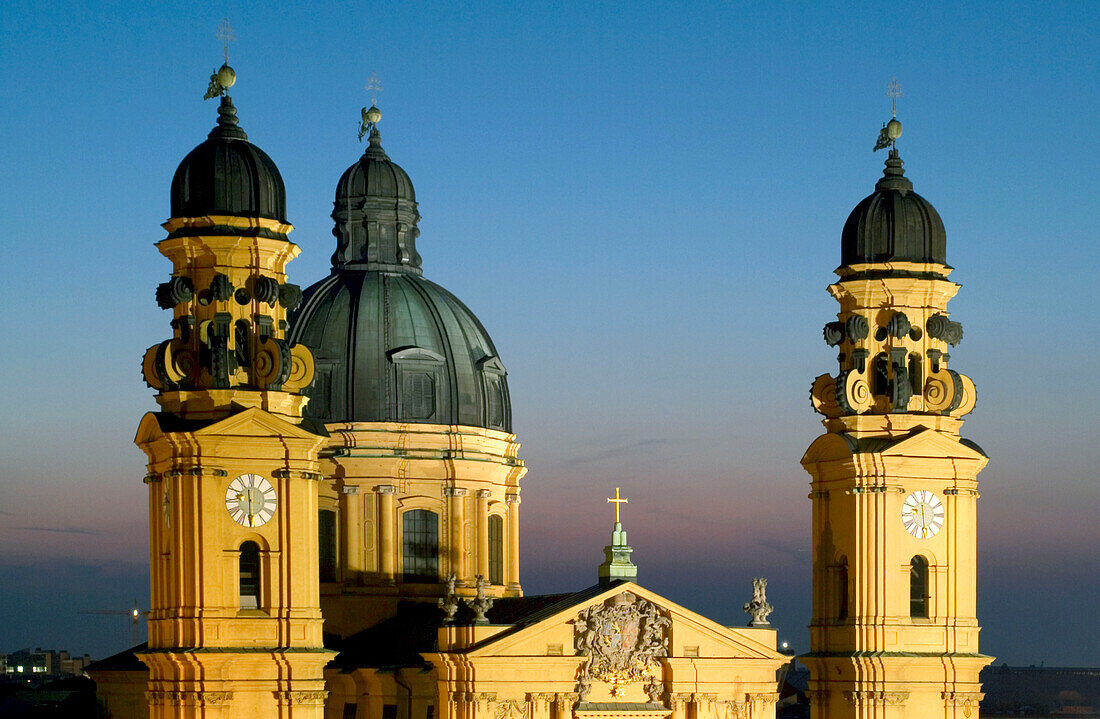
(418, 396)
(419, 371)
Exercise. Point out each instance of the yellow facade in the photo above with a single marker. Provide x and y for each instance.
(381, 470)
(401, 539)
(222, 644)
(894, 632)
(534, 668)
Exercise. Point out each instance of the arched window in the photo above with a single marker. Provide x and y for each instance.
(420, 543)
(496, 549)
(326, 544)
(249, 571)
(842, 589)
(918, 587)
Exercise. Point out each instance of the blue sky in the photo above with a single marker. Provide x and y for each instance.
(642, 203)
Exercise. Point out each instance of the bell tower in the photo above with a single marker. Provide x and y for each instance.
(894, 486)
(235, 619)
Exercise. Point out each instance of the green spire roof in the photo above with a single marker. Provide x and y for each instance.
(617, 564)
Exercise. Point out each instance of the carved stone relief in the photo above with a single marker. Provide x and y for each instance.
(622, 641)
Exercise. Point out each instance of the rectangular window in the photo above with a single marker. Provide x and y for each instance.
(420, 545)
(326, 544)
(918, 588)
(496, 549)
(249, 570)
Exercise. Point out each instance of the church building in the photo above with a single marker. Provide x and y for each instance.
(334, 488)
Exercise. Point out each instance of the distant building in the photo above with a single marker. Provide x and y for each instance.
(1040, 692)
(42, 663)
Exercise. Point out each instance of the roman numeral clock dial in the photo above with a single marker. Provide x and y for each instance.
(250, 500)
(922, 514)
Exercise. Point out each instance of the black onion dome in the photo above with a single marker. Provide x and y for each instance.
(894, 224)
(376, 214)
(395, 347)
(228, 175)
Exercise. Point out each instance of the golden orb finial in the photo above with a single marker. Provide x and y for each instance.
(893, 129)
(227, 76)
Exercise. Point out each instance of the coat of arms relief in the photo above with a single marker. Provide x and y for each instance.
(623, 641)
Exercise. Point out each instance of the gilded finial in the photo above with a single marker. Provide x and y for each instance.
(891, 131)
(372, 116)
(224, 77)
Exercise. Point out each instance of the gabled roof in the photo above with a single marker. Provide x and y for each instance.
(566, 609)
(401, 640)
(124, 661)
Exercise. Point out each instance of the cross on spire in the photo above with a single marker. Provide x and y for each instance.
(226, 35)
(893, 91)
(617, 501)
(373, 86)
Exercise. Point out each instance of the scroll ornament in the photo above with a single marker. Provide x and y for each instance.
(941, 328)
(948, 392)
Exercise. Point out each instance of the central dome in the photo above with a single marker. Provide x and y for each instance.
(391, 346)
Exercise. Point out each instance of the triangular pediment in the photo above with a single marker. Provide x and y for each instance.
(149, 430)
(921, 442)
(255, 422)
(930, 443)
(556, 628)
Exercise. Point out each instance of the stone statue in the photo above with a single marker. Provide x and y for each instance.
(449, 603)
(481, 603)
(758, 608)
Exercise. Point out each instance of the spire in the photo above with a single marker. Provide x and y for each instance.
(228, 126)
(893, 177)
(221, 80)
(891, 131)
(371, 118)
(617, 564)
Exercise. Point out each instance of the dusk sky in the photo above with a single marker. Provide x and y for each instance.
(643, 205)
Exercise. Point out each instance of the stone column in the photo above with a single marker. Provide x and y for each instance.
(352, 545)
(387, 532)
(511, 558)
(483, 532)
(457, 509)
(678, 702)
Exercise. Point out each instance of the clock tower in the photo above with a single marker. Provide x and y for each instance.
(235, 619)
(894, 487)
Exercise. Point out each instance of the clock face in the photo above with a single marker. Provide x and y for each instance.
(250, 500)
(922, 514)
